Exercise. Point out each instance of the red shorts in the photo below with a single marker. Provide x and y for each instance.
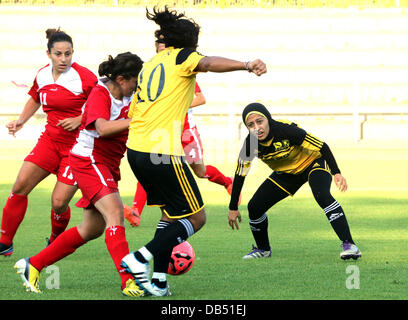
(52, 156)
(94, 179)
(192, 145)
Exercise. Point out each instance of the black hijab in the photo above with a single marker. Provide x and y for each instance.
(258, 108)
(252, 145)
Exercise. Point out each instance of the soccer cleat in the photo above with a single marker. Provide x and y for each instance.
(6, 250)
(29, 274)
(159, 292)
(229, 189)
(139, 271)
(132, 289)
(257, 253)
(131, 215)
(350, 250)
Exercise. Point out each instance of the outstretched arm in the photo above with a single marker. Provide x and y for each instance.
(220, 64)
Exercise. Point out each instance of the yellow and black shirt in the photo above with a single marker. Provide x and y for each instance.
(164, 94)
(290, 150)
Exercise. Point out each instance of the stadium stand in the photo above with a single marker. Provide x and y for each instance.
(340, 60)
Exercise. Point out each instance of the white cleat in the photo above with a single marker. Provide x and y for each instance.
(350, 251)
(257, 253)
(140, 272)
(29, 275)
(158, 292)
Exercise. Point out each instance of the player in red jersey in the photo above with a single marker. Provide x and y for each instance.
(62, 88)
(193, 150)
(95, 159)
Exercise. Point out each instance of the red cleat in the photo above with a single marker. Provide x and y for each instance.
(131, 215)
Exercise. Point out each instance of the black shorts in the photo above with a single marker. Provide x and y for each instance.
(168, 183)
(291, 183)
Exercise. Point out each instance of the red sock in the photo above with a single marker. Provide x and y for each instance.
(118, 247)
(140, 198)
(214, 175)
(66, 244)
(13, 214)
(59, 223)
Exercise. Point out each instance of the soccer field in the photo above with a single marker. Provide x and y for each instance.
(305, 261)
(323, 61)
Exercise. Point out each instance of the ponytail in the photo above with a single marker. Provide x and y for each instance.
(56, 35)
(124, 64)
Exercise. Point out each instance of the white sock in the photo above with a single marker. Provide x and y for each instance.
(145, 253)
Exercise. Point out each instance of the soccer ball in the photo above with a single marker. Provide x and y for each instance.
(182, 259)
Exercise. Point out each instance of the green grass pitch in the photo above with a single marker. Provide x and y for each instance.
(305, 263)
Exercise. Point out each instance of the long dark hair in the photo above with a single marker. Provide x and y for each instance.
(124, 64)
(57, 35)
(176, 30)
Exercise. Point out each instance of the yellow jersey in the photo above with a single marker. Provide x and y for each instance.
(291, 150)
(164, 93)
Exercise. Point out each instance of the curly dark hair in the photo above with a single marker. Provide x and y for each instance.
(176, 30)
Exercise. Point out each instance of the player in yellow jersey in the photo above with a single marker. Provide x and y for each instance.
(296, 157)
(155, 153)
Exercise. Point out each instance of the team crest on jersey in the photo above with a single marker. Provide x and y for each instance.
(281, 145)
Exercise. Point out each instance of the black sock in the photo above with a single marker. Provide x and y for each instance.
(158, 283)
(320, 182)
(162, 244)
(338, 221)
(140, 257)
(160, 226)
(259, 228)
(159, 262)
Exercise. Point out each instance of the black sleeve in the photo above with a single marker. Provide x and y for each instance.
(246, 155)
(329, 157)
(236, 191)
(183, 55)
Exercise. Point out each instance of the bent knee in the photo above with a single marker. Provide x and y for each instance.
(198, 220)
(255, 210)
(89, 233)
(199, 172)
(323, 198)
(59, 205)
(200, 175)
(21, 187)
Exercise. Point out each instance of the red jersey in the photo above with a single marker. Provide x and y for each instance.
(106, 150)
(189, 120)
(63, 98)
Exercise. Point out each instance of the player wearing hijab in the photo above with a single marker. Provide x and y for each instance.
(296, 157)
